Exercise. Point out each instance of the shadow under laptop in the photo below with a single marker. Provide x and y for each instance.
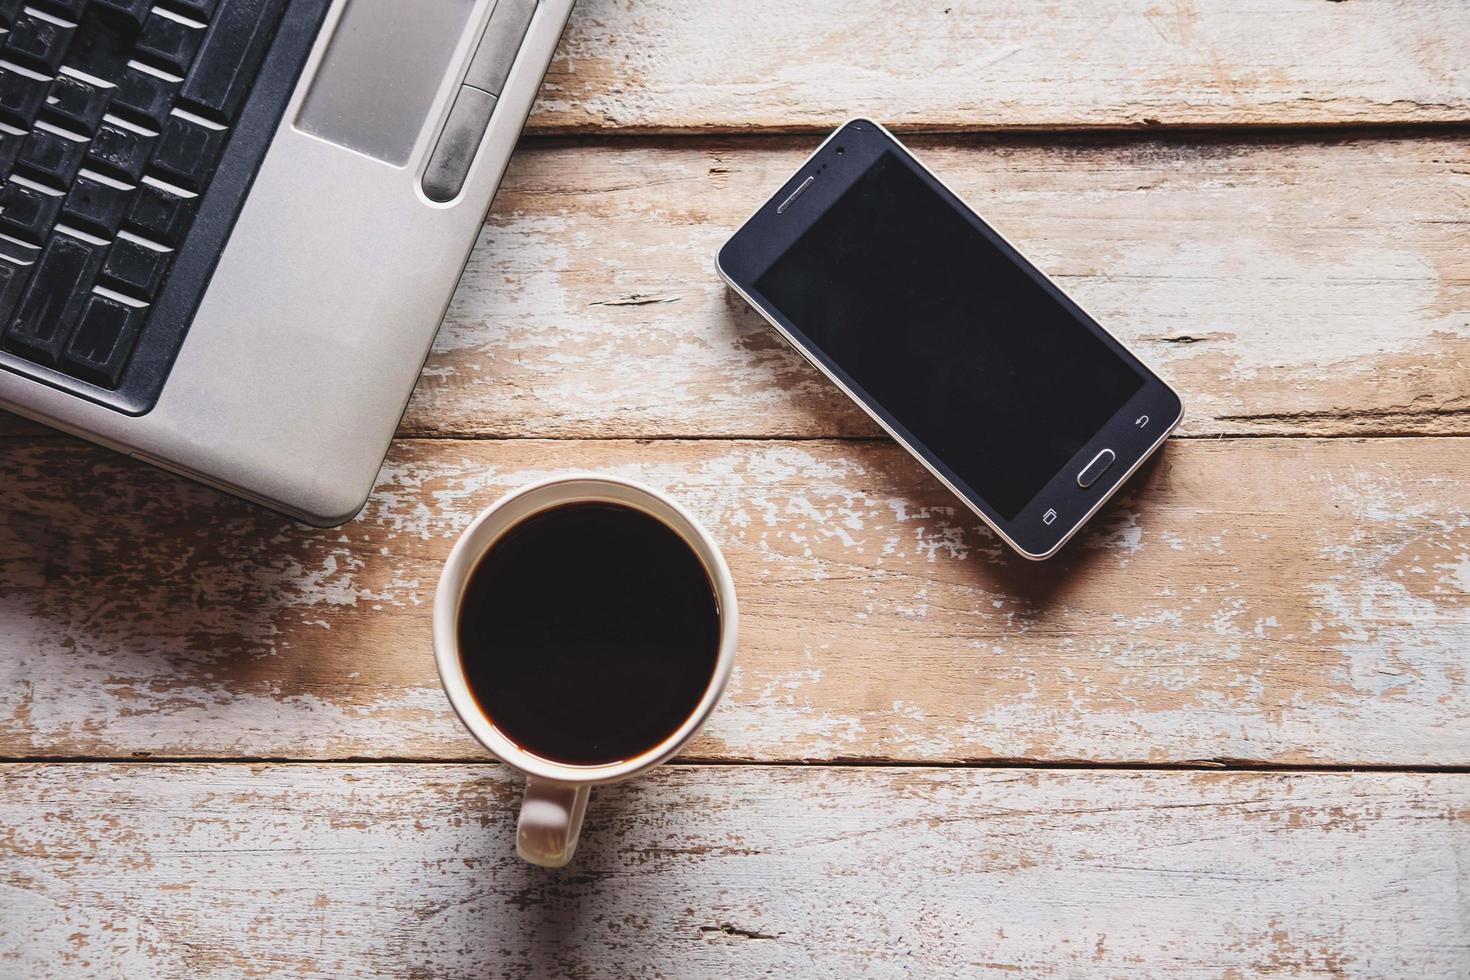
(164, 617)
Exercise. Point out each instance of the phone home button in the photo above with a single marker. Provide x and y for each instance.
(1096, 468)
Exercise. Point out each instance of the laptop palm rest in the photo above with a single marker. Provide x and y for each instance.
(380, 74)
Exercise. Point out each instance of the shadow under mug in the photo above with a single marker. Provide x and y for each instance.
(556, 793)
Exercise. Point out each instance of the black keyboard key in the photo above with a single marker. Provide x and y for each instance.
(19, 253)
(103, 45)
(50, 158)
(96, 206)
(135, 268)
(131, 11)
(76, 104)
(53, 299)
(13, 279)
(200, 10)
(103, 340)
(10, 144)
(187, 153)
(168, 44)
(161, 216)
(66, 9)
(26, 213)
(21, 96)
(234, 46)
(120, 152)
(37, 43)
(143, 98)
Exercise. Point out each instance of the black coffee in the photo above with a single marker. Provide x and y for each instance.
(589, 633)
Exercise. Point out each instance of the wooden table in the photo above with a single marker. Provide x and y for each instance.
(1225, 733)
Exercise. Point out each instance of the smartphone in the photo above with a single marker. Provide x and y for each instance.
(965, 352)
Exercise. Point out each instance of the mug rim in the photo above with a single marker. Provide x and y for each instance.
(476, 541)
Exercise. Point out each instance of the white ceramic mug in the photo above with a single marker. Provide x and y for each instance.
(556, 793)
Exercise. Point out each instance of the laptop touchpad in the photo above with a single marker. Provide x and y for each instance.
(380, 73)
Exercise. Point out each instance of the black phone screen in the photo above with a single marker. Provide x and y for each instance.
(925, 312)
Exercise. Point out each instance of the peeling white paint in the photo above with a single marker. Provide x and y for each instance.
(202, 871)
(663, 65)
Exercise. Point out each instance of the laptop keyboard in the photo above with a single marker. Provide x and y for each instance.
(114, 118)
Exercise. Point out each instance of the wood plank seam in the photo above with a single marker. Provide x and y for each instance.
(1263, 132)
(695, 759)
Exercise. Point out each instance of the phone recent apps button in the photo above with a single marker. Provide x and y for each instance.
(1049, 516)
(1096, 468)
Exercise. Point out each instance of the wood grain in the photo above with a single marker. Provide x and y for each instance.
(669, 65)
(338, 871)
(1282, 601)
(1283, 287)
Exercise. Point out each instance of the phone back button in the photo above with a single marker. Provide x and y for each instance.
(1096, 468)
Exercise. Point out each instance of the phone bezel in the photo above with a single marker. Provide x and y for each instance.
(825, 176)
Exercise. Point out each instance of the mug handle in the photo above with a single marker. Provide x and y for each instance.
(551, 821)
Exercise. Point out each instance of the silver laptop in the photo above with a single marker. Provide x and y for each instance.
(229, 229)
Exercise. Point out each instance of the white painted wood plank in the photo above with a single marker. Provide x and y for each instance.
(1282, 287)
(403, 870)
(661, 65)
(1285, 601)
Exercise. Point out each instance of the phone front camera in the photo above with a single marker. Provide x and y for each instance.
(840, 151)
